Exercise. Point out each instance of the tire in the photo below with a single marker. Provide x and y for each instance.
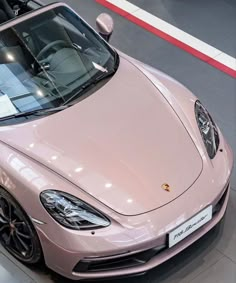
(17, 233)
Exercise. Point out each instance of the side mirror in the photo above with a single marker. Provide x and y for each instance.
(105, 25)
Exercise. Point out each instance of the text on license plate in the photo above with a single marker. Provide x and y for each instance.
(190, 226)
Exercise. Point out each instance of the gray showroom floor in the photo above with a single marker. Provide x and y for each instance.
(213, 258)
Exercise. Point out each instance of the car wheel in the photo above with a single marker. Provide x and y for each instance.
(17, 233)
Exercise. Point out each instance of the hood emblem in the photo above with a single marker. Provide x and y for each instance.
(166, 187)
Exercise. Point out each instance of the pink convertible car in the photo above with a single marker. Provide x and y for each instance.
(108, 167)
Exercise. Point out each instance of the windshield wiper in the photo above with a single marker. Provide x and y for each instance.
(90, 83)
(104, 76)
(36, 112)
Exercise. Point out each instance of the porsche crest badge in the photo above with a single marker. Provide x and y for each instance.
(166, 187)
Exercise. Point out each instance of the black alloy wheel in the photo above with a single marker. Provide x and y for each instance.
(17, 233)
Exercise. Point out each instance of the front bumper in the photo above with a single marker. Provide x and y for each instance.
(130, 263)
(134, 245)
(137, 260)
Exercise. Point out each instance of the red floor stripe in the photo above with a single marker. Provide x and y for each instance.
(169, 38)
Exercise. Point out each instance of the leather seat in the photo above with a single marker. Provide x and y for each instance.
(3, 17)
(6, 12)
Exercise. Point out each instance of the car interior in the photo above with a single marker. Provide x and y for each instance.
(9, 9)
(45, 61)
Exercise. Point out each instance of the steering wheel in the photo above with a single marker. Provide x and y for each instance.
(51, 45)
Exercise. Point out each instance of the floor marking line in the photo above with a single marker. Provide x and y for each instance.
(173, 35)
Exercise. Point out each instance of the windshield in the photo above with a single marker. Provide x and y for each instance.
(47, 60)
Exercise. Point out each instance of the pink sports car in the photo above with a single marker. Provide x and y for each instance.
(108, 167)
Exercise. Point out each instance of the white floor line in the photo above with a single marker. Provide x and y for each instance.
(176, 33)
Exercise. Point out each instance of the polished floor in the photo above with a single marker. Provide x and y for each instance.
(213, 258)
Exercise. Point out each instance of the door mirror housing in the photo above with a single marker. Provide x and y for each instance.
(105, 26)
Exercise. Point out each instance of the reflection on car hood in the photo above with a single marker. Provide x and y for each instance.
(119, 145)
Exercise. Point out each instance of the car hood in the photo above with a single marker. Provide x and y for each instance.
(120, 144)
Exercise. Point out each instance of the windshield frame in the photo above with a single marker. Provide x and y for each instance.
(31, 14)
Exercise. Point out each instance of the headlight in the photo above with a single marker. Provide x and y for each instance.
(208, 129)
(71, 212)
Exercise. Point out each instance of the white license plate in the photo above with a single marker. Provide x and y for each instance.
(190, 226)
